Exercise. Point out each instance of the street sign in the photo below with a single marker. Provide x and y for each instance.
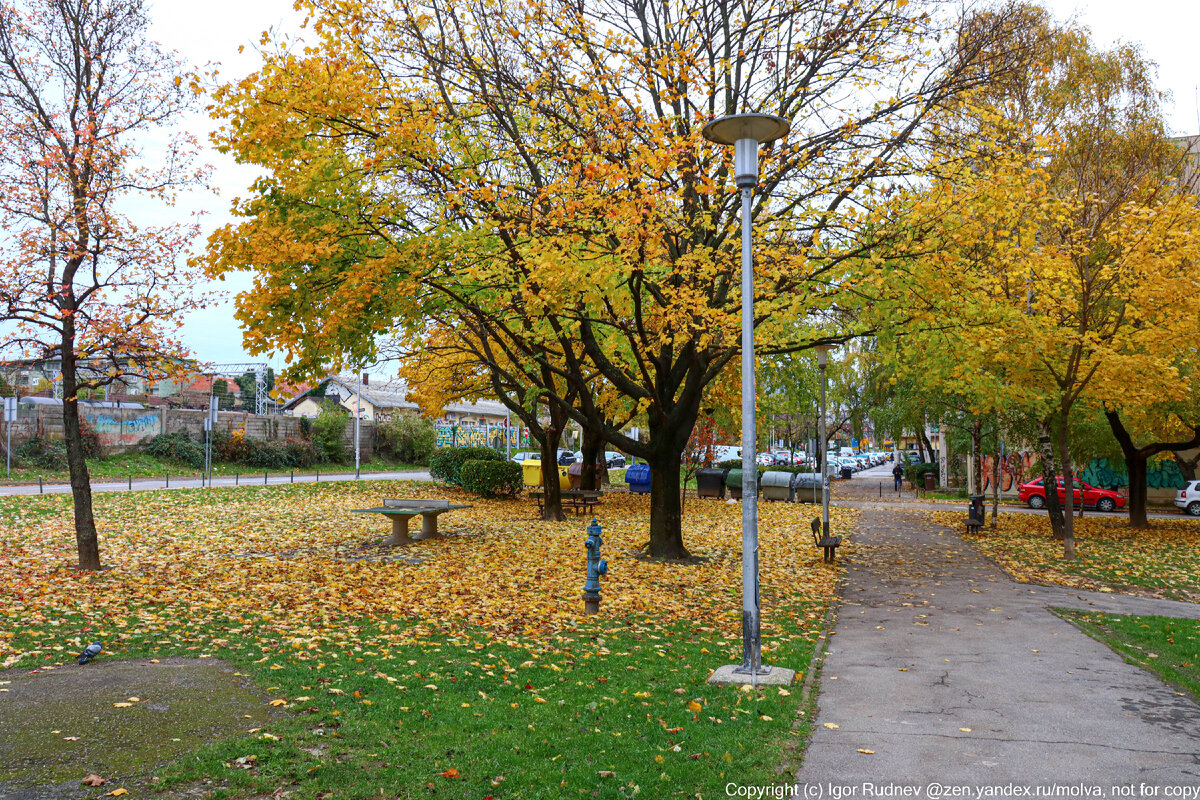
(10, 409)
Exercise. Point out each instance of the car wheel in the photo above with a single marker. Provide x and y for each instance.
(1194, 508)
(1106, 504)
(1037, 501)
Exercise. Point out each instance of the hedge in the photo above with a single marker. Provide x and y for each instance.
(916, 472)
(490, 478)
(446, 463)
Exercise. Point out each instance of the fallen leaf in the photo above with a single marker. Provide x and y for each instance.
(606, 773)
(122, 705)
(694, 706)
(92, 779)
(277, 703)
(118, 792)
(832, 725)
(450, 773)
(868, 752)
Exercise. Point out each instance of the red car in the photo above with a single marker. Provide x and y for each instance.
(1100, 499)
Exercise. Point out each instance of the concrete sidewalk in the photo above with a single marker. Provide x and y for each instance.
(953, 674)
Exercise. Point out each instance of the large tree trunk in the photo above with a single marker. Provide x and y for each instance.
(1068, 476)
(592, 473)
(996, 487)
(977, 455)
(920, 437)
(552, 501)
(666, 508)
(81, 487)
(930, 454)
(1050, 479)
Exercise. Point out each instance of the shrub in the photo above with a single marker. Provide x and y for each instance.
(269, 455)
(730, 463)
(446, 464)
(43, 452)
(328, 429)
(916, 473)
(489, 478)
(232, 447)
(302, 452)
(91, 440)
(177, 447)
(408, 438)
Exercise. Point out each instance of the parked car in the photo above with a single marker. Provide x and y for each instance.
(1100, 499)
(527, 455)
(1188, 499)
(612, 459)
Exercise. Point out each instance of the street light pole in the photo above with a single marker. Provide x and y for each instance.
(745, 132)
(822, 362)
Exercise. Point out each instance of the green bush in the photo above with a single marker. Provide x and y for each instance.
(302, 452)
(730, 463)
(269, 455)
(91, 440)
(916, 473)
(408, 438)
(491, 478)
(177, 446)
(328, 429)
(446, 463)
(43, 452)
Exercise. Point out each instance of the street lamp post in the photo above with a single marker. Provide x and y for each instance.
(822, 362)
(745, 132)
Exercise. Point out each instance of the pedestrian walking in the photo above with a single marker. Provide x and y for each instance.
(897, 474)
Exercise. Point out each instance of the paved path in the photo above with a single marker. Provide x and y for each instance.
(178, 482)
(932, 639)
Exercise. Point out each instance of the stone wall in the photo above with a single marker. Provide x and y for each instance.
(123, 429)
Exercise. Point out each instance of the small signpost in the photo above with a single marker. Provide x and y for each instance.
(10, 416)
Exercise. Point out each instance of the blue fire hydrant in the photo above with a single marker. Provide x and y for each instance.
(596, 566)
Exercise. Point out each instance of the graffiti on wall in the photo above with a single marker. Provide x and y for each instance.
(1160, 474)
(118, 431)
(1015, 468)
(482, 436)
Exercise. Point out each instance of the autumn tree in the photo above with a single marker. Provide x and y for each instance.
(82, 284)
(549, 158)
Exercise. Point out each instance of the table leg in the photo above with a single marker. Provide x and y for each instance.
(429, 526)
(399, 530)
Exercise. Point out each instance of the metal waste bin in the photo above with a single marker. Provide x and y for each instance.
(575, 474)
(711, 483)
(975, 510)
(807, 487)
(776, 485)
(930, 481)
(846, 473)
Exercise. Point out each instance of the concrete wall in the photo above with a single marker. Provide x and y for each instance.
(123, 429)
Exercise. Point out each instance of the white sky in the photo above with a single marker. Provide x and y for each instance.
(1167, 30)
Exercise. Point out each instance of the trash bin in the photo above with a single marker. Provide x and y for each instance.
(808, 488)
(846, 473)
(733, 481)
(975, 510)
(776, 485)
(930, 481)
(531, 472)
(711, 483)
(575, 474)
(638, 478)
(564, 478)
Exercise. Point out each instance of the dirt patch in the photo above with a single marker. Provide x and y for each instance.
(58, 725)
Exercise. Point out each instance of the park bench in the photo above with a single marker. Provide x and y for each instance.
(974, 523)
(400, 511)
(828, 543)
(581, 500)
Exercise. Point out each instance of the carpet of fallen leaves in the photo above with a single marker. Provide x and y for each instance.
(295, 568)
(1163, 561)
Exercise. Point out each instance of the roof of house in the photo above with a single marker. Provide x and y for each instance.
(393, 394)
(205, 384)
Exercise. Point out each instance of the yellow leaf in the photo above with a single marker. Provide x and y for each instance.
(278, 703)
(868, 752)
(832, 725)
(118, 792)
(122, 705)
(694, 706)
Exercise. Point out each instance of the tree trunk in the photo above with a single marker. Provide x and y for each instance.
(1135, 464)
(1187, 466)
(1068, 477)
(81, 488)
(932, 456)
(977, 455)
(593, 457)
(1050, 479)
(666, 510)
(552, 502)
(920, 437)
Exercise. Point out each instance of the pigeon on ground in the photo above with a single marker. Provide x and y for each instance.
(90, 652)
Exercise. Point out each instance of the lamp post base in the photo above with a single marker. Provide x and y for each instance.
(729, 675)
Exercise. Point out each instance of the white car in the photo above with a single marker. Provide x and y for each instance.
(1188, 499)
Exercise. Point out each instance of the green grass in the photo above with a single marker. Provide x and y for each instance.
(602, 712)
(140, 465)
(1167, 646)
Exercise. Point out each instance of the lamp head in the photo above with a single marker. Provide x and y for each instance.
(823, 353)
(745, 132)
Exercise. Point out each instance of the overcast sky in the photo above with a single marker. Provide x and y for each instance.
(1167, 30)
